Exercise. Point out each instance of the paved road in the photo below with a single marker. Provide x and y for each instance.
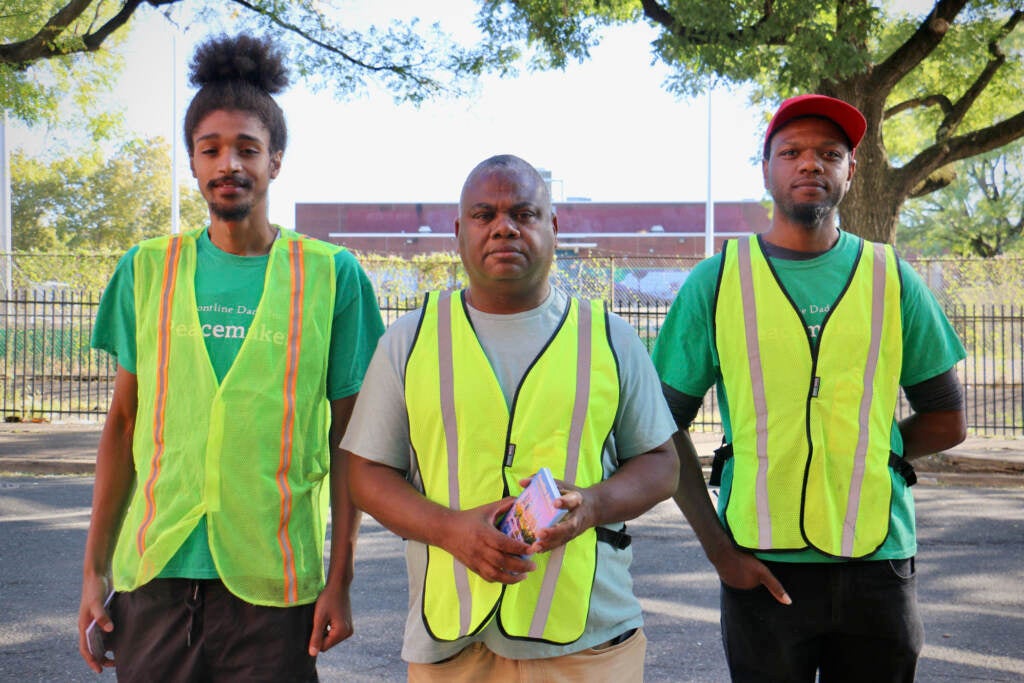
(970, 564)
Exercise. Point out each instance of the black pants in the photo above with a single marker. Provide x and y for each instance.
(185, 631)
(852, 621)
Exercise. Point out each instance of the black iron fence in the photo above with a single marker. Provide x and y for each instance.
(49, 372)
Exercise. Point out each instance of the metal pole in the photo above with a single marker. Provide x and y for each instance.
(709, 204)
(175, 192)
(5, 206)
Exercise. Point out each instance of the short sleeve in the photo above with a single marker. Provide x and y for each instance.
(643, 421)
(357, 327)
(930, 344)
(379, 427)
(114, 328)
(684, 352)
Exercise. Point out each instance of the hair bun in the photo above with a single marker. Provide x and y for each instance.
(239, 58)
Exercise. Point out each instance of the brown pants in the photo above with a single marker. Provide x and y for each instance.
(622, 663)
(181, 630)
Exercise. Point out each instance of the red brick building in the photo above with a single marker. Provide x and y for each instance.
(587, 228)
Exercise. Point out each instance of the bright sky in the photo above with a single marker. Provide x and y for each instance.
(606, 130)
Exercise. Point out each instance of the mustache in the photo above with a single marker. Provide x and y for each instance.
(237, 181)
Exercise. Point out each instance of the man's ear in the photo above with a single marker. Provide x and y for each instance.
(456, 227)
(764, 172)
(192, 167)
(554, 223)
(275, 163)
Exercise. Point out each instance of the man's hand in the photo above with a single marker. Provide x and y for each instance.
(581, 516)
(473, 538)
(94, 593)
(743, 571)
(332, 619)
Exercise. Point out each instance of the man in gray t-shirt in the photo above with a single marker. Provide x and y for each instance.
(532, 378)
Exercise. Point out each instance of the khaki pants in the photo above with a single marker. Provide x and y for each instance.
(622, 663)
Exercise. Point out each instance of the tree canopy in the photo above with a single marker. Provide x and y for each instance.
(85, 202)
(981, 213)
(935, 89)
(51, 47)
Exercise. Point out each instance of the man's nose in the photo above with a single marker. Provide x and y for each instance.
(505, 226)
(811, 162)
(230, 163)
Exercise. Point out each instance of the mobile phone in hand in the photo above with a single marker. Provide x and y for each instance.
(94, 634)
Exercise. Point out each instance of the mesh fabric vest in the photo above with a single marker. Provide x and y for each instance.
(811, 424)
(250, 453)
(472, 450)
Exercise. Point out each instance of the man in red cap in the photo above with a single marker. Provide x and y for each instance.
(808, 332)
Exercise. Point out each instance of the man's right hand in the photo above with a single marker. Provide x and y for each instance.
(741, 570)
(94, 594)
(473, 538)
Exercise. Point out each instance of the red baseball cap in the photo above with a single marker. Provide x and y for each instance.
(844, 115)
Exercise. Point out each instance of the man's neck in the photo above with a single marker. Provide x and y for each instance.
(247, 237)
(506, 303)
(805, 238)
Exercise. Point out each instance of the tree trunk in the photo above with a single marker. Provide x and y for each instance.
(871, 207)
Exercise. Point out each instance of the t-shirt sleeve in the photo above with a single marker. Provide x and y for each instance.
(114, 328)
(684, 352)
(930, 344)
(379, 427)
(357, 327)
(643, 420)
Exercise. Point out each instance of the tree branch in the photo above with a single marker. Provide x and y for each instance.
(917, 171)
(938, 100)
(654, 11)
(404, 70)
(44, 44)
(924, 40)
(956, 115)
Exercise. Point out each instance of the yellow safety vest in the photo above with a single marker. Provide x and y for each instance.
(811, 425)
(251, 454)
(471, 450)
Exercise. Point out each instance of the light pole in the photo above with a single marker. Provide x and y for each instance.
(5, 206)
(709, 204)
(175, 194)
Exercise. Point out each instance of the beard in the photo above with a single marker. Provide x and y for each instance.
(231, 213)
(810, 215)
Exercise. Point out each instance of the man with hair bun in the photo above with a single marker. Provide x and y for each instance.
(241, 347)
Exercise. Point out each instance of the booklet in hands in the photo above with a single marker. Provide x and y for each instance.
(534, 509)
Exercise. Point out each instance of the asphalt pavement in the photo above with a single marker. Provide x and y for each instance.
(970, 505)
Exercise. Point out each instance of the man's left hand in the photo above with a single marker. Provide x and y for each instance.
(332, 619)
(580, 517)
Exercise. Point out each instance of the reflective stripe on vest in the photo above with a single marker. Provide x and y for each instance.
(251, 453)
(470, 452)
(842, 391)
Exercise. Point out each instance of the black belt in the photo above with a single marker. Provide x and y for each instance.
(619, 540)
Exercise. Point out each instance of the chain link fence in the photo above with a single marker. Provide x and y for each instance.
(49, 372)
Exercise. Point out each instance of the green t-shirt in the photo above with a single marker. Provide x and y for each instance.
(687, 360)
(228, 290)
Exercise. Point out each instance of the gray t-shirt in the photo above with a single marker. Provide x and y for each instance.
(379, 431)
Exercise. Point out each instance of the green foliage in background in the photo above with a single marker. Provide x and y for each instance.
(936, 87)
(981, 213)
(88, 202)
